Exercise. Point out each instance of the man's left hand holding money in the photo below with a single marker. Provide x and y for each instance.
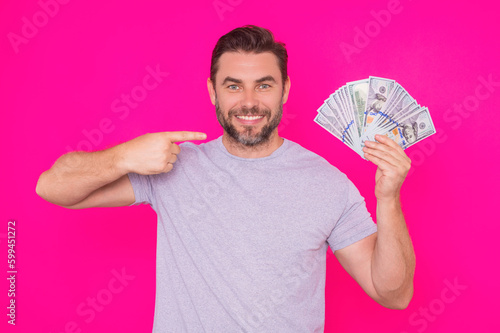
(384, 263)
(393, 260)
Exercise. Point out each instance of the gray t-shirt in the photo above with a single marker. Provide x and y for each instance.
(241, 242)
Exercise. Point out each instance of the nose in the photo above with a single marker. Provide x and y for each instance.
(249, 99)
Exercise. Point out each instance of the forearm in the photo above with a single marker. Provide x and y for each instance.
(393, 261)
(75, 175)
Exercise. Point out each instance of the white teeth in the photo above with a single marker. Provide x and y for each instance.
(249, 117)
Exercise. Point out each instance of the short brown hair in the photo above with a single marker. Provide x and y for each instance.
(253, 39)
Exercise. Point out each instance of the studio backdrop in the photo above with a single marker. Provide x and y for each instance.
(87, 75)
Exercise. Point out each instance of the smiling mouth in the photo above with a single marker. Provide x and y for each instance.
(249, 117)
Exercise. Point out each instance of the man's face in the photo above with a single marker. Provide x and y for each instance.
(249, 96)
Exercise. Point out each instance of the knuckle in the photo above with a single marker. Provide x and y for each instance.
(164, 167)
(164, 159)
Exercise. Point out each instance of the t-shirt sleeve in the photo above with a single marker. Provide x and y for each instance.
(355, 222)
(143, 188)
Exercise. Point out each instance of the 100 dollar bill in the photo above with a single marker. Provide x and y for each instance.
(412, 129)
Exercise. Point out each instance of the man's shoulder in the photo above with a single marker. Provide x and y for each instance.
(306, 155)
(188, 147)
(315, 165)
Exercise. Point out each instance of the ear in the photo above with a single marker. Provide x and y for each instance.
(211, 90)
(286, 90)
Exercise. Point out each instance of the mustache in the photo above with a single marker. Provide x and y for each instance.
(254, 111)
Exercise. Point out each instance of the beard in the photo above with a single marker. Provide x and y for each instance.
(249, 137)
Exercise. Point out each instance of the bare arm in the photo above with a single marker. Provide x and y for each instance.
(99, 179)
(393, 261)
(74, 176)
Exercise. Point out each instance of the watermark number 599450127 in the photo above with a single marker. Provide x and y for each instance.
(11, 271)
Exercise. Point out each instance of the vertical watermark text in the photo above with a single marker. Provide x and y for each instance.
(11, 271)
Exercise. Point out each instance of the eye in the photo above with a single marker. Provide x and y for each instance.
(265, 85)
(232, 85)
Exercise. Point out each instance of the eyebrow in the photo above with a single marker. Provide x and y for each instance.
(262, 79)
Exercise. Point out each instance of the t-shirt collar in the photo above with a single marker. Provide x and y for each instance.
(274, 154)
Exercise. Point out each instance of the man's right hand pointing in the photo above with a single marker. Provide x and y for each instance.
(154, 153)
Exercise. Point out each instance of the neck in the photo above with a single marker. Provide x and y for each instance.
(262, 150)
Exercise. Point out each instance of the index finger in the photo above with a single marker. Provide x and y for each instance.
(185, 135)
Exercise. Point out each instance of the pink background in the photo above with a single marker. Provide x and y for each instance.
(62, 81)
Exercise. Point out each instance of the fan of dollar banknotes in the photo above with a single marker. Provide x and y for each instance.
(361, 109)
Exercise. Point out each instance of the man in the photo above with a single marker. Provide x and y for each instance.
(245, 220)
